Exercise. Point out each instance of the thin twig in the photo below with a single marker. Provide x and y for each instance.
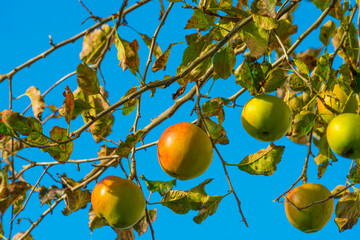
(198, 96)
(306, 33)
(153, 41)
(31, 192)
(70, 40)
(303, 175)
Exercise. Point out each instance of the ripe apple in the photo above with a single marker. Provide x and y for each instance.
(338, 100)
(343, 135)
(266, 118)
(315, 217)
(184, 151)
(118, 200)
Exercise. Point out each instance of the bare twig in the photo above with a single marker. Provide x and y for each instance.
(31, 192)
(306, 33)
(303, 175)
(200, 118)
(70, 40)
(153, 41)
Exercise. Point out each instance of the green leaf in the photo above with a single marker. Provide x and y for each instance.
(79, 107)
(297, 84)
(263, 162)
(214, 107)
(17, 122)
(37, 101)
(124, 148)
(303, 68)
(217, 132)
(162, 60)
(128, 54)
(327, 31)
(354, 175)
(37, 136)
(87, 79)
(130, 105)
(208, 209)
(157, 50)
(323, 69)
(321, 4)
(324, 156)
(193, 51)
(284, 31)
(181, 202)
(275, 79)
(61, 152)
(93, 44)
(200, 21)
(347, 211)
(249, 75)
(302, 123)
(224, 62)
(159, 186)
(255, 38)
(5, 130)
(142, 225)
(265, 22)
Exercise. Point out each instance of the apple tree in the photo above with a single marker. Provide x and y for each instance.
(62, 135)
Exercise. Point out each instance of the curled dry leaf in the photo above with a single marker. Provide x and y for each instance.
(37, 101)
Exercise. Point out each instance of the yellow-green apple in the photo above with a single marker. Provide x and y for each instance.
(266, 118)
(338, 100)
(315, 217)
(343, 135)
(184, 151)
(118, 200)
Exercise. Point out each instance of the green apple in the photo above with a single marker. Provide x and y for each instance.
(266, 118)
(184, 151)
(343, 135)
(118, 200)
(315, 217)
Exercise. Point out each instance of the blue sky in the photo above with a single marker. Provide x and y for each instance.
(25, 27)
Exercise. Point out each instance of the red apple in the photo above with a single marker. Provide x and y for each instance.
(118, 200)
(184, 151)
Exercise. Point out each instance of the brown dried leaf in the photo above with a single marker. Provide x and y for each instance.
(37, 101)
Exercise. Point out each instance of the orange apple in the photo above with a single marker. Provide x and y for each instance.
(118, 200)
(315, 217)
(184, 151)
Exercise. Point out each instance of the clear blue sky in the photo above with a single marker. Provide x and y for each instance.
(25, 26)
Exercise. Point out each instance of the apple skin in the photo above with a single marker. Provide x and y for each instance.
(266, 118)
(118, 200)
(339, 103)
(184, 151)
(343, 135)
(313, 218)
